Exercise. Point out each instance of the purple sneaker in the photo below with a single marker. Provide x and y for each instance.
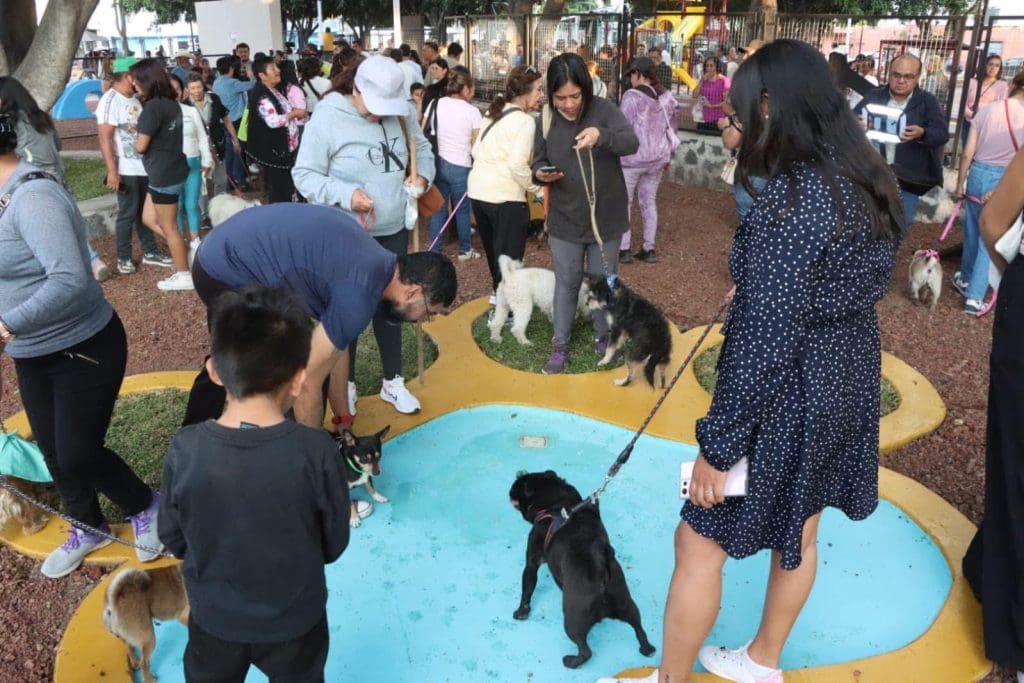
(144, 526)
(601, 345)
(69, 556)
(556, 363)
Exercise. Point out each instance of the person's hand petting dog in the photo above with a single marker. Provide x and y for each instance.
(707, 485)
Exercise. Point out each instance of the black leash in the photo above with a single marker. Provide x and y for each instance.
(628, 450)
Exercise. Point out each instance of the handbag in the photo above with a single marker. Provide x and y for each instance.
(431, 201)
(728, 174)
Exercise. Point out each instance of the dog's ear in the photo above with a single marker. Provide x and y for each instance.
(348, 438)
(520, 474)
(551, 474)
(382, 433)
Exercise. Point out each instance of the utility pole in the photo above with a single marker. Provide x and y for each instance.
(396, 11)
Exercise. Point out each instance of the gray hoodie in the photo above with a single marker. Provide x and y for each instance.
(341, 151)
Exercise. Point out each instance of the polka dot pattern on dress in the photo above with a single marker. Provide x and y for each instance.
(799, 372)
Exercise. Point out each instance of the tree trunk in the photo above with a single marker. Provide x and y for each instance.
(17, 28)
(553, 8)
(47, 65)
(122, 25)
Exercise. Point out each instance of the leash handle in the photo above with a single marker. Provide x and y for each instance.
(451, 216)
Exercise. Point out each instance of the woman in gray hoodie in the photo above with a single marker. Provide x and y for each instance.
(353, 156)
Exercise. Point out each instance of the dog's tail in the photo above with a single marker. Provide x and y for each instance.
(124, 583)
(508, 265)
(660, 356)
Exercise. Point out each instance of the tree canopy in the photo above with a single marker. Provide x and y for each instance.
(166, 11)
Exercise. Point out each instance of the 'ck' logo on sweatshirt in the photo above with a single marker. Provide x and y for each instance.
(384, 155)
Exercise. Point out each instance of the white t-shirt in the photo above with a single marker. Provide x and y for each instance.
(456, 121)
(413, 73)
(122, 112)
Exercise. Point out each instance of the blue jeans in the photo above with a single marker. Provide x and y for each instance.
(234, 165)
(451, 183)
(188, 206)
(744, 200)
(910, 201)
(981, 179)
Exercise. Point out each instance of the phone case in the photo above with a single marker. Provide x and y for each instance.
(735, 479)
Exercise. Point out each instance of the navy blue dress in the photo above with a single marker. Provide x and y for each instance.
(798, 384)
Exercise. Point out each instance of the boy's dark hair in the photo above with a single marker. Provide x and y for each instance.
(259, 339)
(433, 271)
(224, 65)
(454, 50)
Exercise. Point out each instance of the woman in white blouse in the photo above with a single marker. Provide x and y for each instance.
(196, 147)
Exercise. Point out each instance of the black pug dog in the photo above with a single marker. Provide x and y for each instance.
(634, 318)
(581, 559)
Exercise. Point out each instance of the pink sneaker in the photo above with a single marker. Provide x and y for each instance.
(735, 665)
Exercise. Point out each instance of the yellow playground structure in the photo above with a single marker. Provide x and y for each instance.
(677, 30)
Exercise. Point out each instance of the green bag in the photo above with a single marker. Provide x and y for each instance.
(22, 459)
(243, 127)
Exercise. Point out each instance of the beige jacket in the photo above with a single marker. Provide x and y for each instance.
(501, 159)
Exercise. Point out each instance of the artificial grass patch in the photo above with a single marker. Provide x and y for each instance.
(368, 369)
(704, 367)
(582, 357)
(85, 177)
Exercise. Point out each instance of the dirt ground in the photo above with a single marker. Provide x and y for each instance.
(166, 331)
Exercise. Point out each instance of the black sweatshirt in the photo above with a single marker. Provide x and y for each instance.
(254, 514)
(569, 211)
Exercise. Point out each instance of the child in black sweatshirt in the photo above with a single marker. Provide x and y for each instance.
(255, 504)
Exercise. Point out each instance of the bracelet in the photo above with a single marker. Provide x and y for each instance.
(344, 421)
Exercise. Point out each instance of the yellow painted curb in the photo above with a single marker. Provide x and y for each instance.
(463, 376)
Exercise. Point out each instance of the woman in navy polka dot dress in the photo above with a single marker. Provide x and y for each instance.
(798, 383)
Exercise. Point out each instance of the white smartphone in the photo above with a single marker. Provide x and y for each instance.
(735, 479)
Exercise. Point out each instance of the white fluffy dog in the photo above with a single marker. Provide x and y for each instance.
(519, 291)
(226, 205)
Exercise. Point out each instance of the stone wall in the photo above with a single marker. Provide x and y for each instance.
(700, 158)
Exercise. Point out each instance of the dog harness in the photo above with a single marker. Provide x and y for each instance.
(930, 253)
(557, 519)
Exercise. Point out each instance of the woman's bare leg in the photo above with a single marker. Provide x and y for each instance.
(162, 219)
(694, 598)
(787, 593)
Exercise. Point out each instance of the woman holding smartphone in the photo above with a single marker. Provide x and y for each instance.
(797, 392)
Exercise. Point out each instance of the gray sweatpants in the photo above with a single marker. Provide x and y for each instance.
(567, 259)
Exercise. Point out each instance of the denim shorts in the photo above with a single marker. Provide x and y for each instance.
(166, 195)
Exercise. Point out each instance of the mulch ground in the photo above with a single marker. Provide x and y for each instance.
(166, 331)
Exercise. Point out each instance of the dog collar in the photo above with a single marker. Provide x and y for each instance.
(929, 253)
(353, 465)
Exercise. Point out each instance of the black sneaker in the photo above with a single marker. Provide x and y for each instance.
(959, 284)
(155, 258)
(125, 266)
(625, 256)
(647, 256)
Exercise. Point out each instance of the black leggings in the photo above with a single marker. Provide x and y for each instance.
(502, 229)
(389, 337)
(278, 184)
(69, 398)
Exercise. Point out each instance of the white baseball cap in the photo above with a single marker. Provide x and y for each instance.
(382, 85)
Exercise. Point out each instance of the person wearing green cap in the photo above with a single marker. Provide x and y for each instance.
(117, 115)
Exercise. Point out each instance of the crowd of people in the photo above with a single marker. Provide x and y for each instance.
(343, 152)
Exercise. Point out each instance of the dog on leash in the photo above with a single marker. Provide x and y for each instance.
(362, 462)
(226, 205)
(634, 318)
(133, 600)
(580, 557)
(31, 518)
(519, 291)
(925, 274)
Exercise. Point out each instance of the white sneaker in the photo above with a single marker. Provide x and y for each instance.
(467, 255)
(69, 556)
(394, 392)
(178, 282)
(193, 246)
(99, 270)
(735, 665)
(650, 678)
(363, 509)
(352, 396)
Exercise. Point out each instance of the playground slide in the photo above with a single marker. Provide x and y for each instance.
(682, 29)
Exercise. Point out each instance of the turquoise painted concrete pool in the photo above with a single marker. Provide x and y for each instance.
(426, 590)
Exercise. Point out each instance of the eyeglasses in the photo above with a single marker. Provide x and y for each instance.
(897, 76)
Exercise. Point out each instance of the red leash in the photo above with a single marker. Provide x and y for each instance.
(450, 217)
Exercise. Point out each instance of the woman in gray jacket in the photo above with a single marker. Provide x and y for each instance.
(580, 122)
(353, 156)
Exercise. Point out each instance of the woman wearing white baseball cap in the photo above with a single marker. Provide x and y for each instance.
(353, 155)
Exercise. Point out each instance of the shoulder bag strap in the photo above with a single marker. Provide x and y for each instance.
(7, 197)
(411, 146)
(488, 128)
(1009, 124)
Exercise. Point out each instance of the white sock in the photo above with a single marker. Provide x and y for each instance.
(755, 668)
